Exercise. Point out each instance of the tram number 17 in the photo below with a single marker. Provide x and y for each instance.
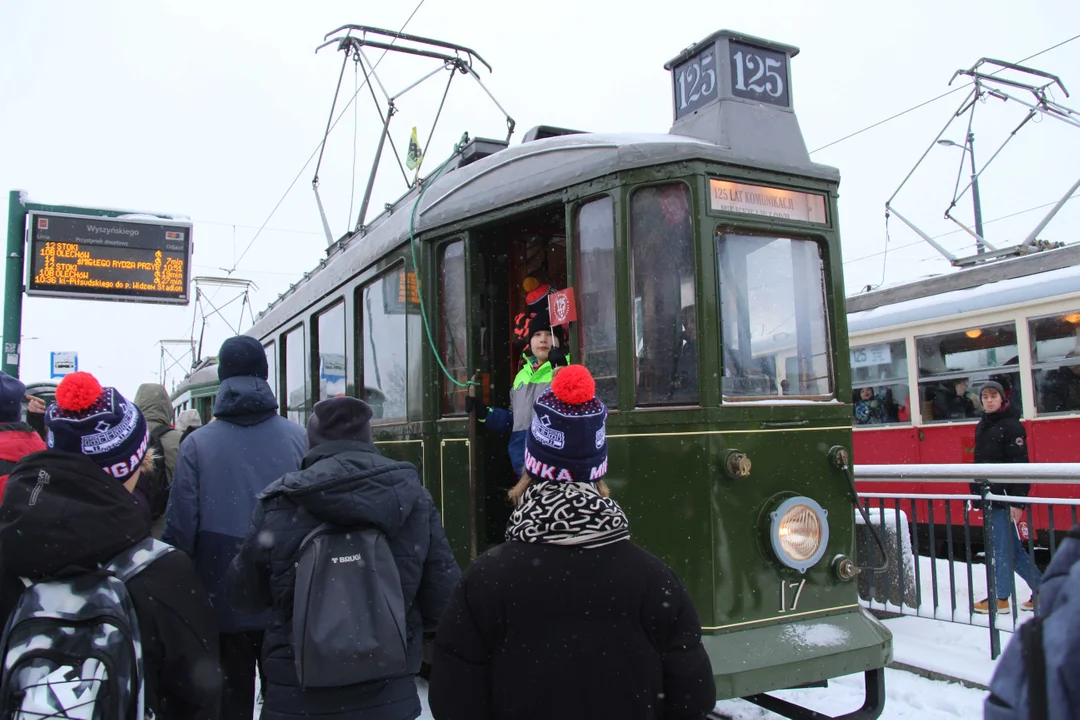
(790, 592)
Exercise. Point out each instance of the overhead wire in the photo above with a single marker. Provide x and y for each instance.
(935, 99)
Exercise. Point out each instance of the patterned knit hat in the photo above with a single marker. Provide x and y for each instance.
(99, 423)
(567, 441)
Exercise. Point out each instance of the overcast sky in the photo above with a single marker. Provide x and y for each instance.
(210, 109)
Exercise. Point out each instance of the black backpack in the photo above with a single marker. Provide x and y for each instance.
(158, 481)
(348, 609)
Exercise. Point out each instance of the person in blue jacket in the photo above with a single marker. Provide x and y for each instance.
(220, 471)
(542, 358)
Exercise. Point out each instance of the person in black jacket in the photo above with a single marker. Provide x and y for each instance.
(1000, 438)
(343, 481)
(85, 515)
(568, 619)
(952, 402)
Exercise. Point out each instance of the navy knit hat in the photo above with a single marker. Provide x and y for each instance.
(12, 393)
(567, 441)
(98, 422)
(242, 356)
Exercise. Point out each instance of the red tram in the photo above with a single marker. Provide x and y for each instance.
(920, 351)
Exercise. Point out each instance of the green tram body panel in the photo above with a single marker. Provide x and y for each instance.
(765, 626)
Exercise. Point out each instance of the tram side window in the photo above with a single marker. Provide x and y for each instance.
(271, 367)
(774, 328)
(296, 377)
(1055, 348)
(452, 320)
(880, 392)
(382, 321)
(595, 232)
(661, 236)
(330, 337)
(953, 366)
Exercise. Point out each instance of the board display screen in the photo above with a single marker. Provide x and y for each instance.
(97, 258)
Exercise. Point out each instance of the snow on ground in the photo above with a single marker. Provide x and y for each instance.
(906, 696)
(943, 608)
(954, 650)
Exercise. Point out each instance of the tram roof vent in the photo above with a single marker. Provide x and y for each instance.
(734, 90)
(479, 148)
(545, 131)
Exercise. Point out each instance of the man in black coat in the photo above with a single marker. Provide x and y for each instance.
(86, 514)
(568, 619)
(1000, 438)
(346, 482)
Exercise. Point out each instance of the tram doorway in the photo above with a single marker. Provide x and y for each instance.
(509, 253)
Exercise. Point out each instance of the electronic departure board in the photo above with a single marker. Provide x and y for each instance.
(99, 258)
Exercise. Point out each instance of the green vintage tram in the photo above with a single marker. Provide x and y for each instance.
(707, 284)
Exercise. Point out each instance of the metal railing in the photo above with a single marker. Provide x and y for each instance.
(936, 540)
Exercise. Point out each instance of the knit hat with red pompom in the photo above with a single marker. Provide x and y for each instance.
(97, 422)
(567, 441)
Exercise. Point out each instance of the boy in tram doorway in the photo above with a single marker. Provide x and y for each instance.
(1000, 438)
(542, 357)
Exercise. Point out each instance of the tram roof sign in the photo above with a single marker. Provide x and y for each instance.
(734, 90)
(146, 260)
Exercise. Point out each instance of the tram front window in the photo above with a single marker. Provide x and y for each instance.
(773, 322)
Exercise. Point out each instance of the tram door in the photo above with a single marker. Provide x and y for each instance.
(511, 256)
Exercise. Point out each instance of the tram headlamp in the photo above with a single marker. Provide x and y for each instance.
(799, 530)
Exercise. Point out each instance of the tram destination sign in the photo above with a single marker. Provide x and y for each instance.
(100, 258)
(733, 197)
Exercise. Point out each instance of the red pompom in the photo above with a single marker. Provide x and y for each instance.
(574, 385)
(78, 391)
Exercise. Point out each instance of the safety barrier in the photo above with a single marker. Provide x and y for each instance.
(935, 541)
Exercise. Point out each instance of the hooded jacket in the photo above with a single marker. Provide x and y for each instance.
(219, 473)
(347, 484)
(81, 519)
(1000, 438)
(16, 440)
(153, 400)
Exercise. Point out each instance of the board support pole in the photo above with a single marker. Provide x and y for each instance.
(13, 284)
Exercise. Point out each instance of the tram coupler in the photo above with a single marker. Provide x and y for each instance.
(873, 703)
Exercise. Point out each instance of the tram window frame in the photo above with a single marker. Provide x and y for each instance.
(452, 397)
(272, 367)
(594, 315)
(888, 402)
(317, 354)
(1047, 367)
(299, 416)
(650, 397)
(378, 405)
(974, 376)
(769, 362)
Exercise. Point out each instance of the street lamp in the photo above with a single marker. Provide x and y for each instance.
(969, 148)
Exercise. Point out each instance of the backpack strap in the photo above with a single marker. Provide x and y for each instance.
(137, 558)
(1031, 649)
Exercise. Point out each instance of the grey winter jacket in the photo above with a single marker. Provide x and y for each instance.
(347, 484)
(153, 400)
